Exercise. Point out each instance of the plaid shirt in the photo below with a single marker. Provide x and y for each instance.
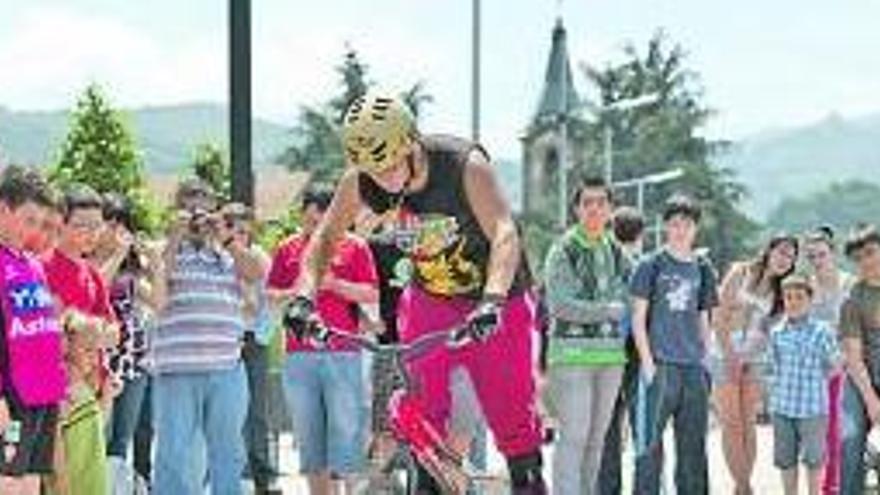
(802, 353)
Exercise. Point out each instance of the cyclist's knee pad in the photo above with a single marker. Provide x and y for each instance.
(425, 484)
(526, 477)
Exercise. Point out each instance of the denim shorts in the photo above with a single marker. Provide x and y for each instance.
(325, 392)
(804, 436)
(750, 351)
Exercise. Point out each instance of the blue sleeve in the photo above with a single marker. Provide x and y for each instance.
(642, 280)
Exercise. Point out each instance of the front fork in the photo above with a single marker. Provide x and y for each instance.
(411, 427)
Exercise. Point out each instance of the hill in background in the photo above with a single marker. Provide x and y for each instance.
(776, 165)
(167, 135)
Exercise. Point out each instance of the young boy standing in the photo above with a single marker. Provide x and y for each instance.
(32, 375)
(586, 298)
(803, 353)
(82, 294)
(673, 292)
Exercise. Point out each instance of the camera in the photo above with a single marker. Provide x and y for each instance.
(202, 222)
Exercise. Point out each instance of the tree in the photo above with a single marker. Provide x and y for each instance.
(665, 135)
(842, 205)
(100, 151)
(316, 145)
(210, 164)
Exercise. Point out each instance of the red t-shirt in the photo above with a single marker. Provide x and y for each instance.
(352, 261)
(77, 285)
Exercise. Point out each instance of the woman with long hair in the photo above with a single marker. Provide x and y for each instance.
(831, 285)
(750, 298)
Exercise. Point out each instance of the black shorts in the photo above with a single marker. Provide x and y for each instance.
(35, 451)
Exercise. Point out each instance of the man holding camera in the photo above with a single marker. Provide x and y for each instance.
(199, 384)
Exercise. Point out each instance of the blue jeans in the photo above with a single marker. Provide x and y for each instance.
(125, 416)
(679, 393)
(854, 426)
(326, 393)
(202, 410)
(260, 440)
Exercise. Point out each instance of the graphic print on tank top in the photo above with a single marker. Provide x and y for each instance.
(436, 226)
(435, 249)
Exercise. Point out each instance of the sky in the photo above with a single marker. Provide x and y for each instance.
(764, 64)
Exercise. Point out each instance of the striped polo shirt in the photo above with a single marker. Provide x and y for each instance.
(201, 326)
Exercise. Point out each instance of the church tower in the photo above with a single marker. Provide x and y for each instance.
(542, 139)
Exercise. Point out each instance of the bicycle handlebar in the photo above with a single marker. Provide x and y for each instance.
(455, 337)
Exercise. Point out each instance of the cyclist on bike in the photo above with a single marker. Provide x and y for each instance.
(468, 268)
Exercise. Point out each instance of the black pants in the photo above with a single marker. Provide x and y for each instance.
(260, 438)
(609, 478)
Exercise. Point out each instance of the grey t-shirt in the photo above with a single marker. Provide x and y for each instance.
(677, 292)
(860, 319)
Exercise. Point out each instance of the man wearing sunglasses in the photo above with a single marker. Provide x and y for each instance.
(199, 384)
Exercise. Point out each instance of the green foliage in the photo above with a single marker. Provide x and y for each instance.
(165, 134)
(150, 216)
(842, 205)
(316, 145)
(665, 135)
(100, 151)
(210, 164)
(539, 230)
(355, 82)
(272, 232)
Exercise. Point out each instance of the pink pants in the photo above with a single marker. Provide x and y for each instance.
(831, 485)
(500, 369)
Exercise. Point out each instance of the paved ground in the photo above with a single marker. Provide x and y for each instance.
(766, 478)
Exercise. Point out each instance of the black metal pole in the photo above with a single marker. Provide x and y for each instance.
(240, 100)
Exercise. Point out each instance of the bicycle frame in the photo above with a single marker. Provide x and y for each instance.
(406, 418)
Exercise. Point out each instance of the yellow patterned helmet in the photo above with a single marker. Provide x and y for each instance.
(377, 132)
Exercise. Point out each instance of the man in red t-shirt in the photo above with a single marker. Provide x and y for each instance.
(325, 387)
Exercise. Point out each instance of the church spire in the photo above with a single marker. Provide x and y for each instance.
(559, 91)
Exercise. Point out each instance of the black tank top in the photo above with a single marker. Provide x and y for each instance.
(436, 226)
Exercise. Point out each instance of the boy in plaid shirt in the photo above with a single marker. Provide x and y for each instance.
(803, 353)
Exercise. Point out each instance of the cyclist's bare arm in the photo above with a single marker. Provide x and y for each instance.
(340, 215)
(493, 214)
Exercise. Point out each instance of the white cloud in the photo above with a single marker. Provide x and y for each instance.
(50, 50)
(53, 52)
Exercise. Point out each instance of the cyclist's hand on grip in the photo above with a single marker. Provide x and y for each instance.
(483, 321)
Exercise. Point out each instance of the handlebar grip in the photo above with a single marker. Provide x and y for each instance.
(461, 336)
